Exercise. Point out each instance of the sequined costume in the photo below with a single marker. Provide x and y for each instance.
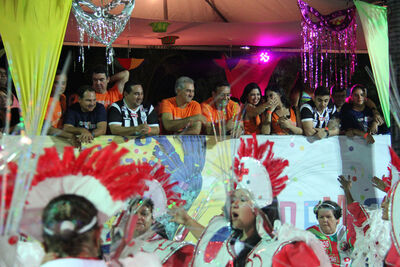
(289, 247)
(171, 253)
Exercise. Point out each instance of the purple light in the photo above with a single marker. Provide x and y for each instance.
(264, 57)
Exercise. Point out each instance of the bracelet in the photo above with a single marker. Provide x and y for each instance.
(327, 131)
(365, 135)
(269, 111)
(149, 130)
(93, 134)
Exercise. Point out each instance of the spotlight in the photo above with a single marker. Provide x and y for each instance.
(264, 57)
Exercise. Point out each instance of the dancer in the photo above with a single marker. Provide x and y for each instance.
(70, 225)
(376, 245)
(337, 239)
(245, 236)
(148, 235)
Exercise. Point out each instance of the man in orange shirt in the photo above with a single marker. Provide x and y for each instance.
(181, 114)
(100, 81)
(221, 112)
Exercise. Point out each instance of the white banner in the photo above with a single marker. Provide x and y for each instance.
(314, 166)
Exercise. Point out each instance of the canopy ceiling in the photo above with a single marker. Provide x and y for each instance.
(266, 23)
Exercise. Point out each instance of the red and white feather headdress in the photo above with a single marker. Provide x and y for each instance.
(258, 171)
(98, 176)
(160, 191)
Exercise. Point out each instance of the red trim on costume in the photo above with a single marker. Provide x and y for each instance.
(360, 215)
(392, 257)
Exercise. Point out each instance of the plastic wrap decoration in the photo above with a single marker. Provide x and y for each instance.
(101, 23)
(329, 45)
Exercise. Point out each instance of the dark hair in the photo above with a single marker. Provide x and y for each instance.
(246, 91)
(59, 72)
(272, 211)
(274, 87)
(336, 89)
(358, 86)
(329, 204)
(321, 91)
(100, 69)
(235, 99)
(220, 84)
(65, 220)
(128, 86)
(147, 202)
(83, 89)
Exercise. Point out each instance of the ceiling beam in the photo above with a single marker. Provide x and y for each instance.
(212, 5)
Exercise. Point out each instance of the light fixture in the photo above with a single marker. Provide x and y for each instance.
(264, 57)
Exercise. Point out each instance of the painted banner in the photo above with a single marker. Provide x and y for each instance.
(201, 165)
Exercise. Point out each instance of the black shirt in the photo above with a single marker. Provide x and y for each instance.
(88, 120)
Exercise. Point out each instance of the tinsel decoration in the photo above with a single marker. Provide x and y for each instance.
(101, 24)
(329, 46)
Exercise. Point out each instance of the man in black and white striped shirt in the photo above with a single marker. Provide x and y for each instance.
(130, 117)
(318, 116)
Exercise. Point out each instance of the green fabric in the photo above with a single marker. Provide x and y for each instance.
(375, 27)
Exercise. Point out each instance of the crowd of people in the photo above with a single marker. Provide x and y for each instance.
(101, 109)
(248, 232)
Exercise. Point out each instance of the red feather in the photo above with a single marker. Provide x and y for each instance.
(274, 166)
(395, 161)
(9, 184)
(122, 181)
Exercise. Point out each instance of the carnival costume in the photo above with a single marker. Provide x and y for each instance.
(96, 175)
(170, 252)
(375, 244)
(393, 256)
(257, 171)
(339, 245)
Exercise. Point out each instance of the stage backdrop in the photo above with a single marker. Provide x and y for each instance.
(201, 165)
